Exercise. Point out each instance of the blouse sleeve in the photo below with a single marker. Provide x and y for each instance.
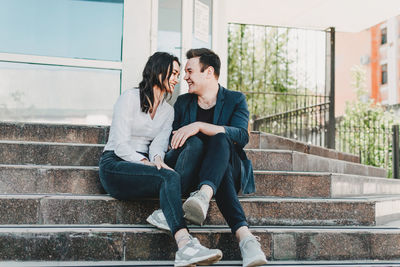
(159, 145)
(123, 119)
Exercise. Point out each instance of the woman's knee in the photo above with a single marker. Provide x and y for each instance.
(171, 177)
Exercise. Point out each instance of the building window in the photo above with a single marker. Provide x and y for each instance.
(64, 28)
(60, 61)
(384, 74)
(169, 37)
(383, 36)
(202, 24)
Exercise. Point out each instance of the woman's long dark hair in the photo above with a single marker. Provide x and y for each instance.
(160, 63)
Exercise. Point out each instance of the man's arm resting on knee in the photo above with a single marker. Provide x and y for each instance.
(182, 134)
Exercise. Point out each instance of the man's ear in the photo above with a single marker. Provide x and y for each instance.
(210, 71)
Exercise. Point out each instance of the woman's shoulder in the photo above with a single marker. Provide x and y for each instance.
(168, 108)
(133, 92)
(130, 94)
(129, 99)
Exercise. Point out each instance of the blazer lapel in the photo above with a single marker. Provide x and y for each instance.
(219, 104)
(193, 109)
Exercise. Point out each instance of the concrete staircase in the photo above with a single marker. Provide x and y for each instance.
(313, 206)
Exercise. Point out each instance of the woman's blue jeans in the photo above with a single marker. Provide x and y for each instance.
(125, 180)
(215, 163)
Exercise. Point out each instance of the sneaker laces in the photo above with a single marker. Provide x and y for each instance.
(193, 240)
(194, 193)
(199, 194)
(254, 238)
(185, 237)
(196, 243)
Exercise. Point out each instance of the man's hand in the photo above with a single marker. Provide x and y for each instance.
(159, 163)
(182, 134)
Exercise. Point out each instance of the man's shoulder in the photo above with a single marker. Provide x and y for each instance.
(184, 98)
(235, 96)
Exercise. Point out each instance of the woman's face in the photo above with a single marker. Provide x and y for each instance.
(174, 79)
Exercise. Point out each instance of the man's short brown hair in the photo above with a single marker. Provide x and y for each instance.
(207, 58)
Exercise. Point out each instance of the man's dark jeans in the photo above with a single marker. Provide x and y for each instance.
(213, 162)
(128, 181)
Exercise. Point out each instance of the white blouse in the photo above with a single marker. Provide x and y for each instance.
(134, 131)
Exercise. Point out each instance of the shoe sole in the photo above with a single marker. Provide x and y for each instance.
(207, 261)
(193, 212)
(189, 265)
(210, 261)
(256, 262)
(156, 224)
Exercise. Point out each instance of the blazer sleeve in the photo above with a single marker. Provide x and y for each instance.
(237, 128)
(177, 114)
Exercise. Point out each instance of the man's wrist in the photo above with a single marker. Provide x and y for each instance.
(199, 126)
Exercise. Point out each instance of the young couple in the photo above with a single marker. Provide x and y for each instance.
(209, 131)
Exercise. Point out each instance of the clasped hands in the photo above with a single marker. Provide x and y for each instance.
(179, 138)
(158, 162)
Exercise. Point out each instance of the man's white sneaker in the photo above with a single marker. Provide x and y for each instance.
(157, 219)
(252, 254)
(195, 207)
(194, 253)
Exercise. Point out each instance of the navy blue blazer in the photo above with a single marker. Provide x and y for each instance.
(232, 113)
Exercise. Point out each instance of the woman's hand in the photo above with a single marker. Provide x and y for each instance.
(147, 162)
(159, 163)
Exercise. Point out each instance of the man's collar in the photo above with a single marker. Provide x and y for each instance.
(220, 95)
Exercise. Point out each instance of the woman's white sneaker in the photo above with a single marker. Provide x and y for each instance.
(194, 253)
(252, 254)
(157, 218)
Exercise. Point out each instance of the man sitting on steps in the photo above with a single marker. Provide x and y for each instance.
(209, 134)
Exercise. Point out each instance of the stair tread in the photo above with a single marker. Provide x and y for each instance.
(193, 228)
(359, 199)
(278, 263)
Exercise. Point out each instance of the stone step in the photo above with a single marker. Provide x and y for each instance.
(285, 160)
(45, 153)
(61, 133)
(43, 179)
(103, 209)
(143, 243)
(260, 140)
(358, 263)
(321, 184)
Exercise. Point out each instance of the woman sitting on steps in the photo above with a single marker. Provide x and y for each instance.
(132, 165)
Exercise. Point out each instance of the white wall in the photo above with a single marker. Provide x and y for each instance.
(220, 37)
(137, 43)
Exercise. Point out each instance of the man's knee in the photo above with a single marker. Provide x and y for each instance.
(219, 140)
(194, 143)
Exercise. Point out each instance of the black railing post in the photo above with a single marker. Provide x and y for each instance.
(396, 151)
(331, 124)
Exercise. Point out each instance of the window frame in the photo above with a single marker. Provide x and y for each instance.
(383, 36)
(384, 74)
